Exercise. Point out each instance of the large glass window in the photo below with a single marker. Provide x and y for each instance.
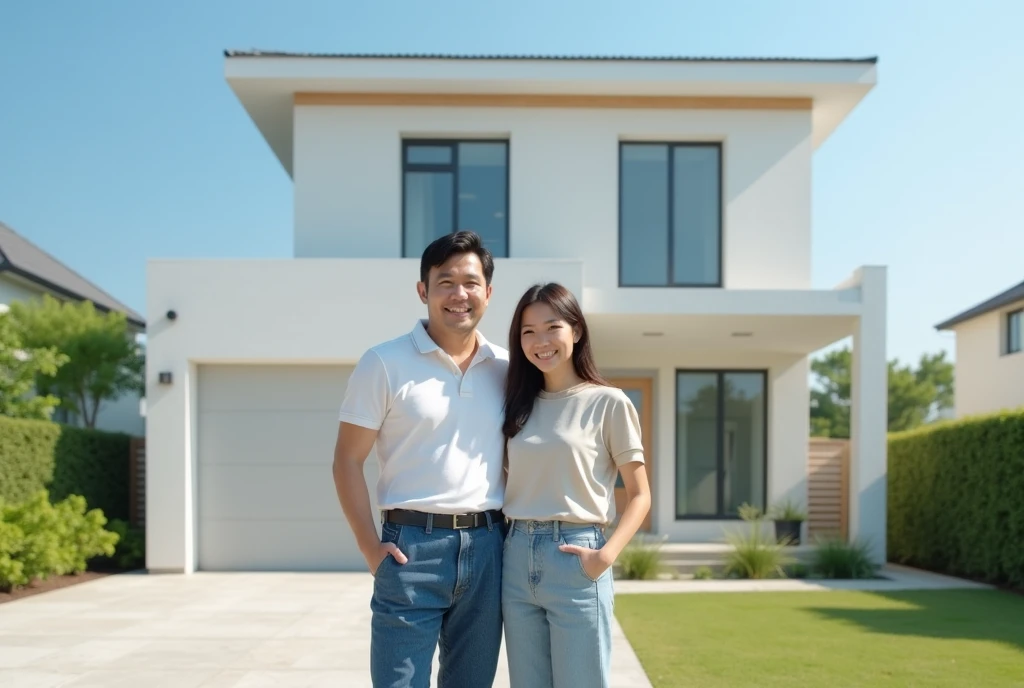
(670, 219)
(451, 186)
(721, 447)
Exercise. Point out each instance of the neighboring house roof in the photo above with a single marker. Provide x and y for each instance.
(603, 58)
(21, 257)
(1011, 295)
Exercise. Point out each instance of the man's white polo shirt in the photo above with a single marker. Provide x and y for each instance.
(439, 438)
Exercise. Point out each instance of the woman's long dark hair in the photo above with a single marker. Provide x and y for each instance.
(525, 381)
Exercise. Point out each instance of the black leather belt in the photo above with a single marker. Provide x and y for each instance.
(404, 517)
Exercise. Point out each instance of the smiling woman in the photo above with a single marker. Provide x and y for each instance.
(569, 435)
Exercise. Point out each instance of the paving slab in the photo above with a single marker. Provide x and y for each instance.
(210, 630)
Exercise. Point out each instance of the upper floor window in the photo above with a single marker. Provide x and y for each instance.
(1014, 331)
(670, 215)
(449, 186)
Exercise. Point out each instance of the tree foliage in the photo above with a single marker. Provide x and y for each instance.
(104, 361)
(22, 365)
(915, 393)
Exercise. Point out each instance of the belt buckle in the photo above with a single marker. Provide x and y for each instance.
(455, 522)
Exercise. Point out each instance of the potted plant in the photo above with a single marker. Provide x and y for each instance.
(788, 517)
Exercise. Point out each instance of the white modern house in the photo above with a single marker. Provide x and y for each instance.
(672, 196)
(27, 272)
(989, 354)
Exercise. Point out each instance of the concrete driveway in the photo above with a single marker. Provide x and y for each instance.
(207, 630)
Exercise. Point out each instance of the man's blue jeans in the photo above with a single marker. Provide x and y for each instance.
(447, 594)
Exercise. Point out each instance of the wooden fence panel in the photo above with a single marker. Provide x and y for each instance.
(828, 484)
(137, 482)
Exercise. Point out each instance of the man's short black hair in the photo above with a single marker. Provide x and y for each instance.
(440, 250)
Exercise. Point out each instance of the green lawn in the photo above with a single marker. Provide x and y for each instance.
(933, 639)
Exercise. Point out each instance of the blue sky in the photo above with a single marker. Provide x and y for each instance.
(120, 140)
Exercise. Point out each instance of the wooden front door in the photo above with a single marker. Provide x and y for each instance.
(640, 392)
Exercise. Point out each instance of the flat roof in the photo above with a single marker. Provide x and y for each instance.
(266, 82)
(526, 57)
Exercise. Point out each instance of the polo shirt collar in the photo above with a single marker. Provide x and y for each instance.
(425, 344)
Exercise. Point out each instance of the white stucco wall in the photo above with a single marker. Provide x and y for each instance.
(987, 380)
(14, 289)
(563, 185)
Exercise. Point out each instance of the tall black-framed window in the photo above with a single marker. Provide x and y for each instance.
(721, 442)
(1015, 331)
(670, 214)
(449, 186)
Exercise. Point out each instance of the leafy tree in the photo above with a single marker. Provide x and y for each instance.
(104, 360)
(914, 393)
(21, 367)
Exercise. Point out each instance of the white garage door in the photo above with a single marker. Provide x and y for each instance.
(266, 499)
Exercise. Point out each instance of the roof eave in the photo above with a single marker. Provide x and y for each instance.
(1012, 295)
(132, 317)
(265, 84)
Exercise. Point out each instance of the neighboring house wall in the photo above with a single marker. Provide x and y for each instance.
(987, 378)
(564, 182)
(121, 415)
(13, 289)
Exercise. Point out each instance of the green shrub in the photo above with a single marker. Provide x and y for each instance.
(50, 539)
(12, 571)
(836, 558)
(130, 551)
(703, 573)
(956, 498)
(750, 513)
(41, 544)
(788, 510)
(798, 571)
(755, 554)
(40, 455)
(640, 560)
(83, 535)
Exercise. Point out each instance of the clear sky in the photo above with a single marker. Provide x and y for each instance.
(121, 141)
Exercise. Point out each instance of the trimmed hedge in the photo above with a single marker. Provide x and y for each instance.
(28, 449)
(956, 498)
(38, 455)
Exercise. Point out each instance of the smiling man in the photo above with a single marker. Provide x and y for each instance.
(431, 403)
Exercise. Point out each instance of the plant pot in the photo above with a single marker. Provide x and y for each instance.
(788, 532)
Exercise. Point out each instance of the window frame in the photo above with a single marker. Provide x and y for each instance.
(671, 284)
(1007, 342)
(453, 169)
(720, 374)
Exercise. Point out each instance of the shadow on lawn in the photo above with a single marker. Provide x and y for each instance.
(988, 615)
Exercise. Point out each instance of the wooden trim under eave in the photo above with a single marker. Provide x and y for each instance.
(539, 100)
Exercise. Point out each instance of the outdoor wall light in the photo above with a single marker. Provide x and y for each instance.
(165, 377)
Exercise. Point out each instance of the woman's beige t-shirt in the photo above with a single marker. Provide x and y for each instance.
(563, 463)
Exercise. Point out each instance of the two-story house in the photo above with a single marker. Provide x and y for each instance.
(989, 354)
(672, 196)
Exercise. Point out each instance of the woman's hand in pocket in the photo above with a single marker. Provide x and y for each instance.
(594, 561)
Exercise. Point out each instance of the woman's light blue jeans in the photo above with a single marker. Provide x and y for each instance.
(557, 619)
